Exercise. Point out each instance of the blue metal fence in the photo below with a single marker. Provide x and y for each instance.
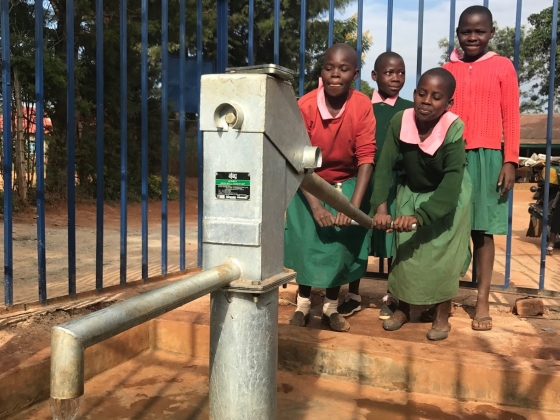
(222, 8)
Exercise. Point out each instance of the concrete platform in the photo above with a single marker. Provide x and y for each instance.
(163, 385)
(508, 371)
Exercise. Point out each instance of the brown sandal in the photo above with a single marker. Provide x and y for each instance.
(479, 321)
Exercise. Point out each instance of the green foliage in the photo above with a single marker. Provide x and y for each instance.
(155, 187)
(22, 42)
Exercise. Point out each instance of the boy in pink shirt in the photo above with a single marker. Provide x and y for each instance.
(487, 100)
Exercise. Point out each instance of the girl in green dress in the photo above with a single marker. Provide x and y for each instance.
(433, 203)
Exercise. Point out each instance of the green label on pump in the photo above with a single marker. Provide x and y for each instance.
(233, 185)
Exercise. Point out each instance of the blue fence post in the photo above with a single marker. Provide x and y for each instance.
(40, 152)
(302, 35)
(485, 3)
(7, 135)
(100, 124)
(420, 40)
(359, 42)
(251, 52)
(71, 147)
(276, 31)
(331, 23)
(389, 25)
(164, 131)
(182, 151)
(517, 47)
(549, 122)
(144, 135)
(124, 139)
(452, 6)
(200, 148)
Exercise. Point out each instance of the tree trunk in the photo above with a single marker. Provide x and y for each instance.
(20, 141)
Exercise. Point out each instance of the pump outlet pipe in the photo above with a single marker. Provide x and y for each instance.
(69, 340)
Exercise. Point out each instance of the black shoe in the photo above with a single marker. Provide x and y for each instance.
(387, 310)
(349, 307)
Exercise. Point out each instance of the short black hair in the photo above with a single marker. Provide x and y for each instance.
(385, 56)
(445, 76)
(477, 10)
(344, 47)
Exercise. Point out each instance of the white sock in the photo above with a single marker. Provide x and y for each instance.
(303, 304)
(329, 307)
(352, 296)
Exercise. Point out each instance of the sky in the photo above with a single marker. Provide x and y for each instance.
(436, 26)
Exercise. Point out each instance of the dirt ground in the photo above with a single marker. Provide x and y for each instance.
(525, 258)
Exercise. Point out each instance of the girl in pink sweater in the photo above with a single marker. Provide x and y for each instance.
(487, 100)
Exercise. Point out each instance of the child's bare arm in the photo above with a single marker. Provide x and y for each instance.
(362, 181)
(322, 216)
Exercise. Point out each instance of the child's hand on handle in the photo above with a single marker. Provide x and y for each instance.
(323, 217)
(342, 220)
(405, 223)
(382, 221)
(506, 180)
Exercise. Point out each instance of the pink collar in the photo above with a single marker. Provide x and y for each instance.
(409, 131)
(322, 104)
(377, 99)
(457, 56)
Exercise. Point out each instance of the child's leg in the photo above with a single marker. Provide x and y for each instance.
(483, 245)
(353, 301)
(303, 307)
(330, 313)
(440, 326)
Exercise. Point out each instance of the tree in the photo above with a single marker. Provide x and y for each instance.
(84, 51)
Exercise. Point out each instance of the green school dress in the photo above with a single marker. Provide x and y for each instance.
(325, 256)
(437, 191)
(489, 208)
(383, 243)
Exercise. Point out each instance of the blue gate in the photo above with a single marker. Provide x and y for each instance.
(189, 53)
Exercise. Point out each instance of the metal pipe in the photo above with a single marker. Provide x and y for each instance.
(359, 42)
(420, 40)
(99, 129)
(389, 24)
(182, 135)
(331, 22)
(517, 47)
(251, 51)
(69, 340)
(7, 137)
(243, 382)
(452, 5)
(144, 123)
(40, 151)
(321, 189)
(549, 120)
(124, 139)
(71, 147)
(276, 31)
(164, 130)
(302, 28)
(200, 149)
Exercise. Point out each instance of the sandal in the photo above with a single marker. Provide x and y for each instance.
(550, 250)
(438, 335)
(479, 321)
(393, 324)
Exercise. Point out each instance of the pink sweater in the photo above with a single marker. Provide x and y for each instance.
(487, 100)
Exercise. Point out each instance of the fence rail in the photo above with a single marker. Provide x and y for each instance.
(145, 52)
